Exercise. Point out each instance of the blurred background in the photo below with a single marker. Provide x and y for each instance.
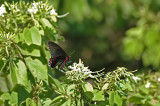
(111, 33)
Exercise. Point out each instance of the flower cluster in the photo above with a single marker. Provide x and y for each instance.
(34, 8)
(117, 74)
(79, 72)
(136, 78)
(13, 16)
(37, 6)
(2, 10)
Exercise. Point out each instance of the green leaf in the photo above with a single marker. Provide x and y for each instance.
(157, 104)
(16, 38)
(105, 86)
(13, 71)
(36, 37)
(136, 32)
(13, 98)
(117, 98)
(53, 18)
(127, 85)
(23, 76)
(98, 95)
(133, 48)
(32, 36)
(22, 73)
(152, 36)
(1, 65)
(137, 99)
(152, 56)
(89, 95)
(67, 103)
(56, 83)
(131, 79)
(5, 96)
(31, 50)
(23, 94)
(37, 69)
(57, 101)
(111, 98)
(87, 87)
(27, 36)
(144, 90)
(70, 89)
(120, 85)
(45, 23)
(51, 33)
(46, 102)
(30, 102)
(19, 74)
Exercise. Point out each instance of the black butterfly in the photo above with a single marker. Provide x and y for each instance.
(58, 56)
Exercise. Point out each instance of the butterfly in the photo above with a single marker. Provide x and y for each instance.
(58, 56)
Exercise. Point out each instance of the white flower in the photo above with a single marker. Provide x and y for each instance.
(34, 8)
(148, 85)
(53, 12)
(136, 78)
(159, 79)
(34, 5)
(120, 68)
(78, 71)
(2, 10)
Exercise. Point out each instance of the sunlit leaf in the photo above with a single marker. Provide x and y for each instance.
(5, 96)
(137, 98)
(98, 95)
(46, 101)
(56, 83)
(46, 23)
(70, 89)
(53, 18)
(87, 87)
(128, 85)
(13, 98)
(144, 90)
(59, 100)
(111, 98)
(105, 86)
(36, 37)
(37, 69)
(27, 36)
(30, 102)
(31, 50)
(118, 99)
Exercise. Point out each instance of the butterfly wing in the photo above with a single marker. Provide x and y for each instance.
(55, 50)
(56, 61)
(57, 54)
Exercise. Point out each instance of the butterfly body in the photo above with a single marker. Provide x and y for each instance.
(58, 56)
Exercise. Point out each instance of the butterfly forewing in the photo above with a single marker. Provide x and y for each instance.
(58, 56)
(56, 50)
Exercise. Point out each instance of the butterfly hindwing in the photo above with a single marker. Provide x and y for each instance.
(58, 56)
(55, 61)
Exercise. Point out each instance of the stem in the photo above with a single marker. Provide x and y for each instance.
(19, 53)
(4, 66)
(7, 51)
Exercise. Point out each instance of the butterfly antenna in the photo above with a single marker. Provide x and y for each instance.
(72, 52)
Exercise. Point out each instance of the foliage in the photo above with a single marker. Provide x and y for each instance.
(120, 31)
(25, 29)
(142, 41)
(146, 90)
(108, 90)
